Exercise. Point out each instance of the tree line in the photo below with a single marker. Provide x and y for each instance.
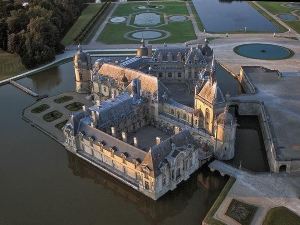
(34, 30)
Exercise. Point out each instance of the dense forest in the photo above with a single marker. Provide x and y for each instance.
(34, 30)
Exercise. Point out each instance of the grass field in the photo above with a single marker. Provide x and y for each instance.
(180, 31)
(10, 65)
(281, 216)
(87, 14)
(277, 8)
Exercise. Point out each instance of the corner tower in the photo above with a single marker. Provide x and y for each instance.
(82, 67)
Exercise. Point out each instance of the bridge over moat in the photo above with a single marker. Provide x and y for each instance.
(225, 169)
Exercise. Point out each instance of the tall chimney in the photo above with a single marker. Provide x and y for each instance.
(124, 136)
(113, 131)
(135, 141)
(157, 140)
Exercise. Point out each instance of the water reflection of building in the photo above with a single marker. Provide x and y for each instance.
(172, 204)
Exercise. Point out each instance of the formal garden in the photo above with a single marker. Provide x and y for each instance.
(63, 99)
(74, 107)
(40, 108)
(61, 124)
(287, 12)
(241, 212)
(51, 116)
(157, 22)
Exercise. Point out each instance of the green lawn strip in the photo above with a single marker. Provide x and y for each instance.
(63, 99)
(51, 116)
(40, 108)
(61, 124)
(170, 8)
(196, 16)
(275, 7)
(209, 217)
(180, 32)
(114, 34)
(241, 212)
(295, 25)
(74, 107)
(10, 65)
(268, 17)
(87, 14)
(281, 216)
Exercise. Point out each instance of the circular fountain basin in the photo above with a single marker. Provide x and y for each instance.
(148, 34)
(177, 18)
(118, 19)
(263, 51)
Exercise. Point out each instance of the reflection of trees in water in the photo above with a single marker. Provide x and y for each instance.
(230, 1)
(46, 80)
(170, 205)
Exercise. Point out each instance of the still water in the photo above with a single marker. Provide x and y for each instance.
(41, 183)
(219, 16)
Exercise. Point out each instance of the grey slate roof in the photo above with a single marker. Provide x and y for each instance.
(131, 151)
(155, 157)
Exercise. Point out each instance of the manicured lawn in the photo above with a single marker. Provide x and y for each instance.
(281, 216)
(294, 24)
(75, 106)
(85, 17)
(40, 108)
(170, 8)
(51, 116)
(114, 34)
(10, 65)
(241, 212)
(180, 31)
(63, 99)
(61, 124)
(277, 8)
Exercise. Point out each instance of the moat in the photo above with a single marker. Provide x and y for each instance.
(45, 177)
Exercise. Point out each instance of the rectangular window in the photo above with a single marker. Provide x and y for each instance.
(146, 185)
(179, 75)
(169, 74)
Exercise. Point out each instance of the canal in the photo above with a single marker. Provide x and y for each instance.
(41, 183)
(220, 16)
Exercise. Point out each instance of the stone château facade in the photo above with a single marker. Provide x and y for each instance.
(137, 131)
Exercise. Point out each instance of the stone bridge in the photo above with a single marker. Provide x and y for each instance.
(224, 169)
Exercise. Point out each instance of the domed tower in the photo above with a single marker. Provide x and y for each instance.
(82, 67)
(225, 131)
(143, 50)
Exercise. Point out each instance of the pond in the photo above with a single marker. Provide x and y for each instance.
(147, 34)
(221, 17)
(147, 19)
(288, 17)
(263, 51)
(44, 184)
